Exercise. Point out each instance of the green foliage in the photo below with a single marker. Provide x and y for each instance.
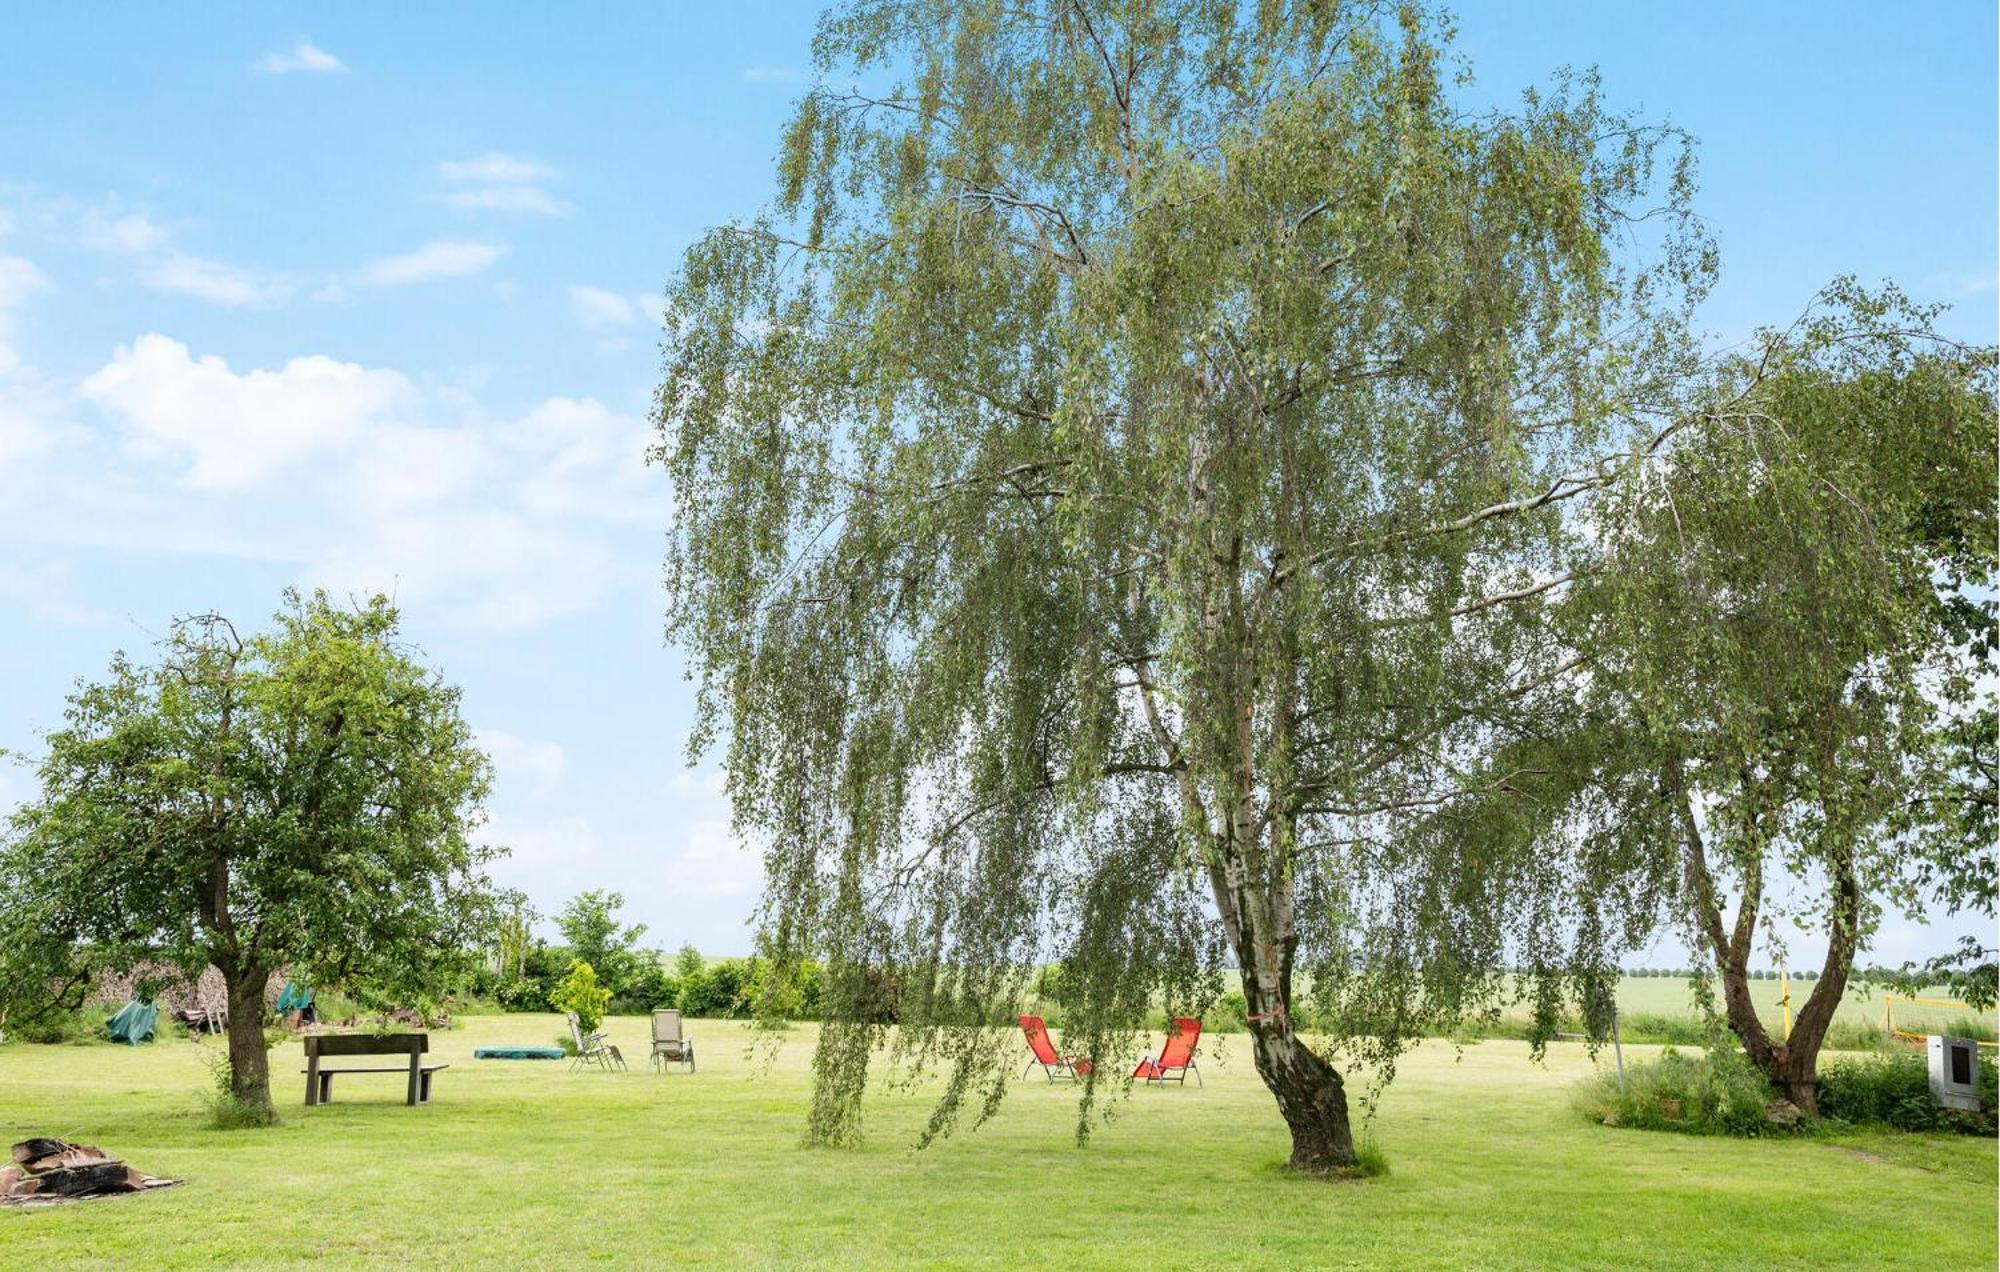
(1893, 1089)
(226, 1109)
(687, 963)
(589, 923)
(721, 989)
(1103, 480)
(303, 797)
(59, 1023)
(1370, 1161)
(579, 992)
(1769, 625)
(1717, 1093)
(646, 987)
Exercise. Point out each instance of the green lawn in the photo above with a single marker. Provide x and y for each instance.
(519, 1163)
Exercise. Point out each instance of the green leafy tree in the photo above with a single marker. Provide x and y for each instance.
(1775, 661)
(513, 932)
(579, 992)
(688, 963)
(1115, 485)
(298, 798)
(589, 923)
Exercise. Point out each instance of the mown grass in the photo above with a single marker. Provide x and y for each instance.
(524, 1163)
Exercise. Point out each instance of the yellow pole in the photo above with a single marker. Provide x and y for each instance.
(1785, 983)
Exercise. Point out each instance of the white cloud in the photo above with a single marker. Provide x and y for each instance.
(771, 74)
(502, 183)
(19, 279)
(217, 282)
(713, 864)
(599, 309)
(496, 169)
(518, 760)
(305, 56)
(613, 316)
(108, 227)
(47, 590)
(510, 199)
(132, 234)
(362, 478)
(231, 430)
(445, 258)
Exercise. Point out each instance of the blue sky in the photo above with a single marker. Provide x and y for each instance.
(366, 297)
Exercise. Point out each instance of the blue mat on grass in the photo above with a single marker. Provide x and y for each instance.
(517, 1053)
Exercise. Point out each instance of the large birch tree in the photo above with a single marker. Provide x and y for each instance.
(1118, 483)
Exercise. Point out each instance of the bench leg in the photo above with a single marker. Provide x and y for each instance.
(424, 1089)
(326, 1086)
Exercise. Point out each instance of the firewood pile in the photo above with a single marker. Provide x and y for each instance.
(48, 1171)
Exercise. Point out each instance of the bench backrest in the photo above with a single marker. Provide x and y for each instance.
(401, 1044)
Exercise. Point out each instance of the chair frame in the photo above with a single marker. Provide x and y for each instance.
(1050, 1068)
(661, 1057)
(591, 1048)
(1156, 1072)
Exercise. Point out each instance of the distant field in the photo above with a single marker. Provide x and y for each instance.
(525, 1164)
(1673, 996)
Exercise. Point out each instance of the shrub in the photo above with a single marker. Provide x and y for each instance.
(80, 1024)
(1230, 1014)
(226, 1112)
(718, 991)
(1894, 1089)
(1718, 1093)
(648, 989)
(579, 992)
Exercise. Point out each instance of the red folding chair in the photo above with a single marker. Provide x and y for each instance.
(1045, 1053)
(1177, 1056)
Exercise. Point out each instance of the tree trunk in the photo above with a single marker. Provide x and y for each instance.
(1790, 1063)
(1310, 1095)
(249, 1057)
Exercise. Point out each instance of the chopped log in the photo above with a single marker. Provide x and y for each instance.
(39, 1146)
(51, 1171)
(98, 1177)
(74, 1155)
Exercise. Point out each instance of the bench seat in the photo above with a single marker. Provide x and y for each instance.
(325, 1077)
(320, 1047)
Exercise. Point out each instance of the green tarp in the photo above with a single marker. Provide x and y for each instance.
(517, 1053)
(294, 998)
(134, 1023)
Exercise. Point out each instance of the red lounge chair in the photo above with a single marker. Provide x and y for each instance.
(1045, 1053)
(1177, 1056)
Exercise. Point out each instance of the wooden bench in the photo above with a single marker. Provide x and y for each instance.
(319, 1081)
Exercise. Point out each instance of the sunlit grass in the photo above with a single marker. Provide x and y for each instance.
(524, 1163)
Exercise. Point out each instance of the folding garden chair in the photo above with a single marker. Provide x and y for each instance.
(1177, 1056)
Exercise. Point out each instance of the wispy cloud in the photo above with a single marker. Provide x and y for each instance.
(601, 311)
(614, 317)
(772, 74)
(217, 282)
(305, 57)
(19, 279)
(445, 258)
(129, 233)
(498, 169)
(510, 199)
(502, 183)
